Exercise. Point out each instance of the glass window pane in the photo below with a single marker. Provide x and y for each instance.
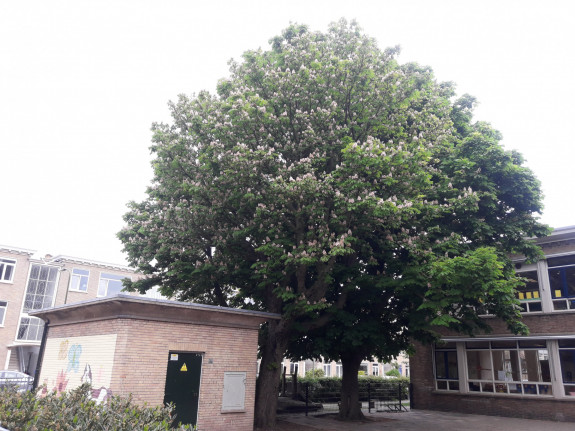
(52, 274)
(504, 344)
(477, 344)
(530, 365)
(556, 283)
(569, 343)
(535, 306)
(479, 365)
(35, 271)
(83, 284)
(8, 272)
(567, 359)
(112, 276)
(44, 273)
(570, 280)
(445, 345)
(440, 368)
(452, 365)
(561, 261)
(102, 286)
(114, 287)
(533, 343)
(531, 289)
(74, 283)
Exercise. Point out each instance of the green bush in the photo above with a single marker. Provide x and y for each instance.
(75, 411)
(316, 373)
(394, 372)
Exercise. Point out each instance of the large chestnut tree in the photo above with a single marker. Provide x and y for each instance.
(322, 166)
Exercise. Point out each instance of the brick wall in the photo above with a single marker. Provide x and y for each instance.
(141, 357)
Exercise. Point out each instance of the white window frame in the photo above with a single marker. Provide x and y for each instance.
(74, 276)
(4, 310)
(555, 388)
(567, 301)
(109, 276)
(294, 368)
(375, 369)
(327, 370)
(24, 314)
(338, 370)
(33, 323)
(527, 298)
(7, 262)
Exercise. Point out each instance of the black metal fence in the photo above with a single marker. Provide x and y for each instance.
(324, 395)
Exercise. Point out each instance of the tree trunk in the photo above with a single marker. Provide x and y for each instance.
(267, 386)
(350, 409)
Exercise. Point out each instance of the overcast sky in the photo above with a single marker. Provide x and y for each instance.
(82, 81)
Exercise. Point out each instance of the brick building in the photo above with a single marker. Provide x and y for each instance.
(28, 283)
(502, 374)
(203, 358)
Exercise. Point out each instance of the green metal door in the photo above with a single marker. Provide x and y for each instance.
(183, 385)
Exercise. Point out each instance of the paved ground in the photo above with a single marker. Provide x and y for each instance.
(421, 420)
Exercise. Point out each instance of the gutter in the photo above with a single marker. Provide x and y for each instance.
(41, 355)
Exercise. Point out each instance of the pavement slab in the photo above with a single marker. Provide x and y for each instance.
(423, 420)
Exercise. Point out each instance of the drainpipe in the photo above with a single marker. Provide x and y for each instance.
(41, 355)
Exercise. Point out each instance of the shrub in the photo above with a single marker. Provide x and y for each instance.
(75, 411)
(394, 372)
(315, 373)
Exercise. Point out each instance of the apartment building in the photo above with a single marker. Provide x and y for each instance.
(28, 283)
(503, 374)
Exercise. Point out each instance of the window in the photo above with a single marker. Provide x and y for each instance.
(79, 280)
(562, 281)
(31, 329)
(293, 367)
(7, 270)
(338, 369)
(567, 360)
(327, 370)
(110, 284)
(375, 369)
(446, 374)
(3, 306)
(529, 294)
(513, 367)
(41, 287)
(363, 369)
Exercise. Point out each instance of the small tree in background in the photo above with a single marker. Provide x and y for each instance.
(321, 175)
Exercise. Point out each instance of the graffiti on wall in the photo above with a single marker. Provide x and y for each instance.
(70, 362)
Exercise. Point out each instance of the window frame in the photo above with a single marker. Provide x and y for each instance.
(32, 323)
(114, 277)
(518, 362)
(528, 301)
(6, 262)
(80, 277)
(4, 308)
(565, 301)
(446, 383)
